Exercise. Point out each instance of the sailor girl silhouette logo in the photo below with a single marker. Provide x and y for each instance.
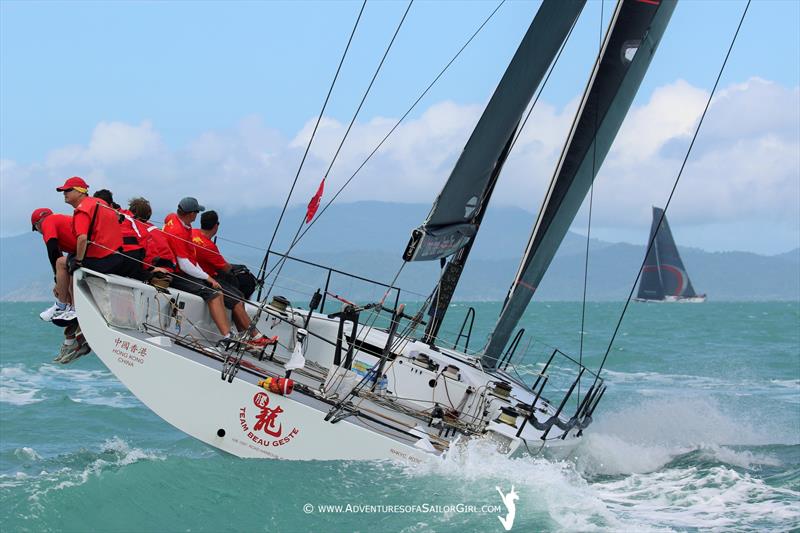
(510, 502)
(261, 424)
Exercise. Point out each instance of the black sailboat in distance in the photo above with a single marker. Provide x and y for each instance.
(664, 278)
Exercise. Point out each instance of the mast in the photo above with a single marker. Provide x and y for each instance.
(455, 217)
(635, 31)
(658, 268)
(452, 272)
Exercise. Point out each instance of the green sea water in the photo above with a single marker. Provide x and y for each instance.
(699, 430)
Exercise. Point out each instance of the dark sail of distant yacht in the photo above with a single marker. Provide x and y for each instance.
(664, 278)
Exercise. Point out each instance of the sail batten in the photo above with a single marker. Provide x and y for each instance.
(456, 213)
(633, 36)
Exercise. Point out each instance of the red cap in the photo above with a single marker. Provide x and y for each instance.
(76, 183)
(38, 215)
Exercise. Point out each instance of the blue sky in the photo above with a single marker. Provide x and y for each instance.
(177, 74)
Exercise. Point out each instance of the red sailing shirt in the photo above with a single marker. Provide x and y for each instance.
(95, 215)
(59, 227)
(208, 256)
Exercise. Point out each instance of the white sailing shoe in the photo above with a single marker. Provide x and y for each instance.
(48, 314)
(67, 314)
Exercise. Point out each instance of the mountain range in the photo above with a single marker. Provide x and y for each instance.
(367, 239)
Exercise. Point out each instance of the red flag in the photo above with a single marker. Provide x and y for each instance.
(313, 205)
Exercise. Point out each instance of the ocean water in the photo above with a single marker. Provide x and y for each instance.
(699, 430)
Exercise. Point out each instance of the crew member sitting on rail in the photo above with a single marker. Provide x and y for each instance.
(211, 261)
(158, 254)
(56, 230)
(191, 278)
(98, 237)
(132, 240)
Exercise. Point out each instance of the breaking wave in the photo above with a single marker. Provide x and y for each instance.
(73, 469)
(21, 385)
(677, 463)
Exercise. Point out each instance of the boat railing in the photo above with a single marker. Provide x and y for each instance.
(334, 283)
(568, 390)
(469, 319)
(554, 376)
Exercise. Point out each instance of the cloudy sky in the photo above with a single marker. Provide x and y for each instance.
(218, 101)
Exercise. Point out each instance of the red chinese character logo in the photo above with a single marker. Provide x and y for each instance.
(265, 420)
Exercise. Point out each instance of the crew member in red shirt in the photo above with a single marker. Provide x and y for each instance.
(192, 278)
(188, 276)
(56, 230)
(97, 238)
(208, 255)
(133, 251)
(158, 254)
(214, 264)
(96, 227)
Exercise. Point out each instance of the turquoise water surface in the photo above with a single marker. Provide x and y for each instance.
(699, 430)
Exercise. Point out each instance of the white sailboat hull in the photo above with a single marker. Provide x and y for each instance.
(192, 397)
(675, 299)
(128, 325)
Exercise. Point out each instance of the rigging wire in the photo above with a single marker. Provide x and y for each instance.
(299, 235)
(369, 87)
(397, 124)
(308, 147)
(295, 239)
(589, 223)
(672, 192)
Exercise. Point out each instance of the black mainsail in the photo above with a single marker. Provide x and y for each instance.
(635, 31)
(455, 217)
(663, 274)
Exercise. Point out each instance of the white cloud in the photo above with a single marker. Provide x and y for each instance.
(671, 113)
(746, 162)
(116, 142)
(111, 143)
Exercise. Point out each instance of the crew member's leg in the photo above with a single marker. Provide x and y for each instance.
(218, 314)
(63, 281)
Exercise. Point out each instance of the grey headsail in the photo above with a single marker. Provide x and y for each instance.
(634, 33)
(454, 218)
(457, 213)
(663, 273)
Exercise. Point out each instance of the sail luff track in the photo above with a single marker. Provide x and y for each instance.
(634, 33)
